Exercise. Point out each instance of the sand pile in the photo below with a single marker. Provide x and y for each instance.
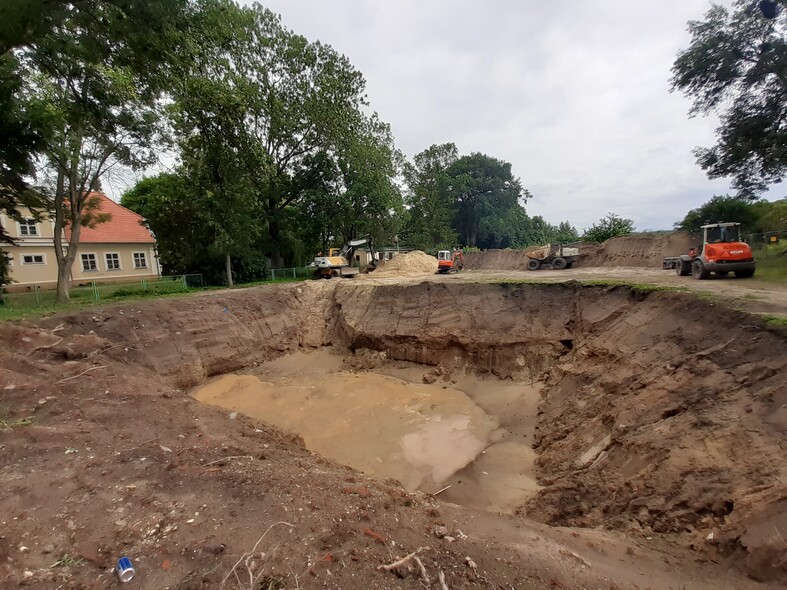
(410, 263)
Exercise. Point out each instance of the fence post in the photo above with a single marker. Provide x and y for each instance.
(273, 274)
(36, 290)
(96, 294)
(185, 282)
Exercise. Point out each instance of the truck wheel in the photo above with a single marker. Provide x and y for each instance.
(698, 270)
(533, 264)
(682, 268)
(559, 263)
(744, 274)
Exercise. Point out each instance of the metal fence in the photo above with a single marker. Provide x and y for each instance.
(92, 292)
(770, 238)
(300, 272)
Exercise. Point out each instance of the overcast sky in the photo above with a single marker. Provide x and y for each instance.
(575, 94)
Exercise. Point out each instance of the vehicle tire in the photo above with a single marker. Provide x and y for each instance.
(683, 268)
(744, 274)
(533, 264)
(559, 263)
(698, 270)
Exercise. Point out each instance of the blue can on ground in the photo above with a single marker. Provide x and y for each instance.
(125, 569)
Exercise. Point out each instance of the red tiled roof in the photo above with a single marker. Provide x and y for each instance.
(124, 227)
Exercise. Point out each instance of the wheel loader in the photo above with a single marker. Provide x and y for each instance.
(721, 253)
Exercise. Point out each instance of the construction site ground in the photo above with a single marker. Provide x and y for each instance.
(656, 423)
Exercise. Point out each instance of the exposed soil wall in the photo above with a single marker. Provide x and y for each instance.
(636, 251)
(661, 414)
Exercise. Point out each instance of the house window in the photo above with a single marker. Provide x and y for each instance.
(28, 227)
(89, 263)
(113, 260)
(33, 259)
(140, 261)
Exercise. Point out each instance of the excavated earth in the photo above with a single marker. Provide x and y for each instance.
(648, 432)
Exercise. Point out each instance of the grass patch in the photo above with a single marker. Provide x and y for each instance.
(640, 287)
(68, 561)
(771, 263)
(775, 320)
(7, 424)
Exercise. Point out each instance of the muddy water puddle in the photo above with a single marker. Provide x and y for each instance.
(473, 435)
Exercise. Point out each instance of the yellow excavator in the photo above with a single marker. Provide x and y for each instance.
(338, 262)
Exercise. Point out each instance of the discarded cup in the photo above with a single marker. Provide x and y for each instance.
(125, 569)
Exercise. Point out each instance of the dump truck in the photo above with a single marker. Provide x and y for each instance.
(557, 256)
(721, 253)
(338, 263)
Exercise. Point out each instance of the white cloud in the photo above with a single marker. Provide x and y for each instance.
(574, 94)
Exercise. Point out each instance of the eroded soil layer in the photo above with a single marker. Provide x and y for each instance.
(661, 417)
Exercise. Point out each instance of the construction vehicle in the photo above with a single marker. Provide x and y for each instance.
(338, 263)
(721, 253)
(557, 256)
(450, 261)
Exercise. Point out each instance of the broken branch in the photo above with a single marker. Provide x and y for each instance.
(228, 459)
(245, 557)
(422, 570)
(441, 579)
(82, 373)
(402, 562)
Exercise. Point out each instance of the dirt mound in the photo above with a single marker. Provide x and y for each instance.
(408, 264)
(637, 251)
(642, 251)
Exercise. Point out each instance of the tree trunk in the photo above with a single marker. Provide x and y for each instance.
(228, 262)
(63, 280)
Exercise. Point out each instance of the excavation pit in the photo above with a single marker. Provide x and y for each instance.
(637, 419)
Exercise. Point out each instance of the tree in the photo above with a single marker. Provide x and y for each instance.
(720, 209)
(736, 66)
(254, 102)
(96, 72)
(482, 189)
(608, 227)
(429, 203)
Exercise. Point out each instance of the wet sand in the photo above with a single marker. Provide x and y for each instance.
(474, 436)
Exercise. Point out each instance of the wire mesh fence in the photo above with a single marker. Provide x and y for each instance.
(770, 238)
(43, 296)
(300, 272)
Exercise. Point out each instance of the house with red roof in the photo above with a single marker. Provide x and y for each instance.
(120, 249)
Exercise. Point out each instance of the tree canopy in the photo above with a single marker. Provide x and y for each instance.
(736, 67)
(610, 226)
(754, 217)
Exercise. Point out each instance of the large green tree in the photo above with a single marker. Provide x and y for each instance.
(430, 207)
(98, 70)
(609, 226)
(253, 104)
(720, 209)
(484, 192)
(736, 67)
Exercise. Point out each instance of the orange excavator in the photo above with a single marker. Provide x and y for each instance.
(722, 252)
(450, 261)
